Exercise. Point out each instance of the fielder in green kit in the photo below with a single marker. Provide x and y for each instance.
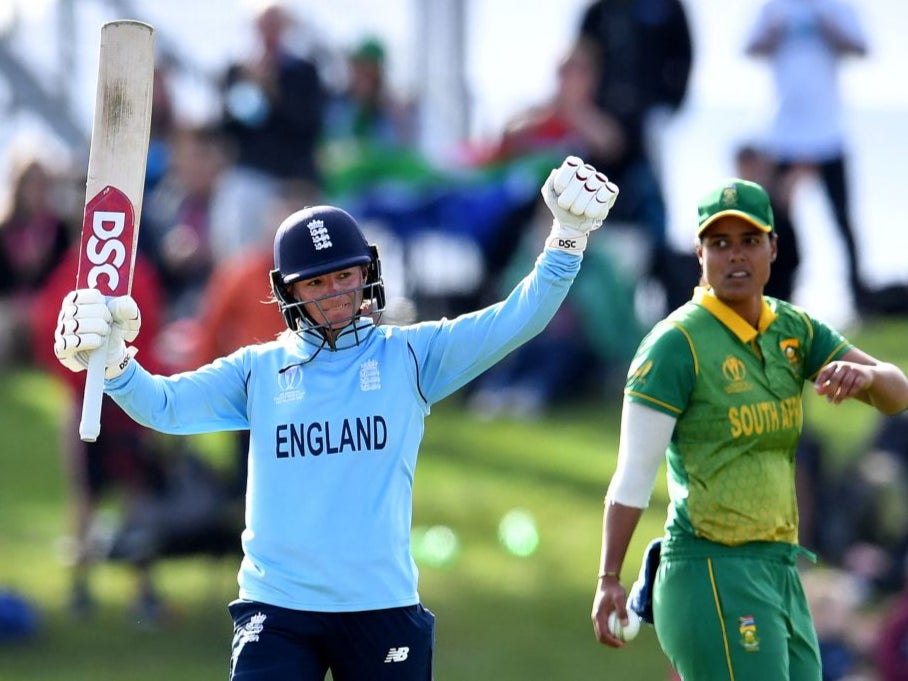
(715, 389)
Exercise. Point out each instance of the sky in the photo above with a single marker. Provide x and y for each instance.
(512, 50)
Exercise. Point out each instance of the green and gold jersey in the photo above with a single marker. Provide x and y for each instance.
(736, 393)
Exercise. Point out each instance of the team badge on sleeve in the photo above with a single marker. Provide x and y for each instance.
(791, 348)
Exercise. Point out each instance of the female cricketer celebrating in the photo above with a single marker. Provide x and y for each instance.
(715, 388)
(335, 409)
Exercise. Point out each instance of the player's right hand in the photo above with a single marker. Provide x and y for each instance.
(579, 198)
(86, 320)
(610, 597)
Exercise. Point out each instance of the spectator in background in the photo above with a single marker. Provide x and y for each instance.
(584, 341)
(273, 108)
(892, 648)
(34, 237)
(177, 228)
(570, 121)
(163, 124)
(365, 116)
(753, 164)
(867, 519)
(843, 631)
(567, 122)
(369, 133)
(646, 54)
(805, 42)
(121, 464)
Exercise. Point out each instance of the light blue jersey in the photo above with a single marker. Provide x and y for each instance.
(335, 437)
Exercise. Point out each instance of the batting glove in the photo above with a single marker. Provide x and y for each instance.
(86, 319)
(579, 198)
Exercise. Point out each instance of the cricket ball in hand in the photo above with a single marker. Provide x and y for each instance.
(624, 633)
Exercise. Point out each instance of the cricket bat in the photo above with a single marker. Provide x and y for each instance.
(115, 182)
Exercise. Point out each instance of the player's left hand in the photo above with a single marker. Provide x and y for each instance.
(86, 320)
(579, 198)
(838, 380)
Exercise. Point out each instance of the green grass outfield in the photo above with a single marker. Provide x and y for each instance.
(500, 616)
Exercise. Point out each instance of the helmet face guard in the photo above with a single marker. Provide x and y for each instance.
(314, 242)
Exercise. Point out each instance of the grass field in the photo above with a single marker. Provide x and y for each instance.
(500, 616)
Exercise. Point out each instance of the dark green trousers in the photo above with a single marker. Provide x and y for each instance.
(734, 613)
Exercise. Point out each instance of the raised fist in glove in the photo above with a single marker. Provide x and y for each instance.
(579, 198)
(87, 320)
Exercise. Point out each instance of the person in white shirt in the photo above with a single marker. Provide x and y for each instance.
(805, 42)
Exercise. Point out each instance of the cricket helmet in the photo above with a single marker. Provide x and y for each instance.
(313, 242)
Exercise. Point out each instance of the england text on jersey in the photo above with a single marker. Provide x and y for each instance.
(765, 417)
(369, 433)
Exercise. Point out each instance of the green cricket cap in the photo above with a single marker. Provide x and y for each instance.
(741, 198)
(371, 49)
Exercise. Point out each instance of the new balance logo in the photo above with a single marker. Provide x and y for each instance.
(397, 654)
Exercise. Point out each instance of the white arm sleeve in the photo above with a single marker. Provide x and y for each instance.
(645, 434)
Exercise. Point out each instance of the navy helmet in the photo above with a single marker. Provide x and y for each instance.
(313, 242)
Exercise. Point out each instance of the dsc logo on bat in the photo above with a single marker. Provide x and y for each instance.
(108, 234)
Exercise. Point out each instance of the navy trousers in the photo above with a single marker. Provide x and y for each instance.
(277, 644)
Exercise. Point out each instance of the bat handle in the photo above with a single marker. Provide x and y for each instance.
(90, 425)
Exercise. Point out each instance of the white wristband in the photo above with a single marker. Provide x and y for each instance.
(118, 366)
(566, 238)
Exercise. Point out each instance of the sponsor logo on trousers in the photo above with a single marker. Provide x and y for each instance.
(397, 654)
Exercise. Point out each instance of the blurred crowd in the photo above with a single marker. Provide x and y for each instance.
(287, 136)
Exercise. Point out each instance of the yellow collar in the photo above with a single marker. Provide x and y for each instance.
(704, 296)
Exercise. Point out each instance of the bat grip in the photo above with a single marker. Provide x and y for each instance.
(90, 425)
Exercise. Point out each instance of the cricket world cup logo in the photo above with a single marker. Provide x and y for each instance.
(108, 232)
